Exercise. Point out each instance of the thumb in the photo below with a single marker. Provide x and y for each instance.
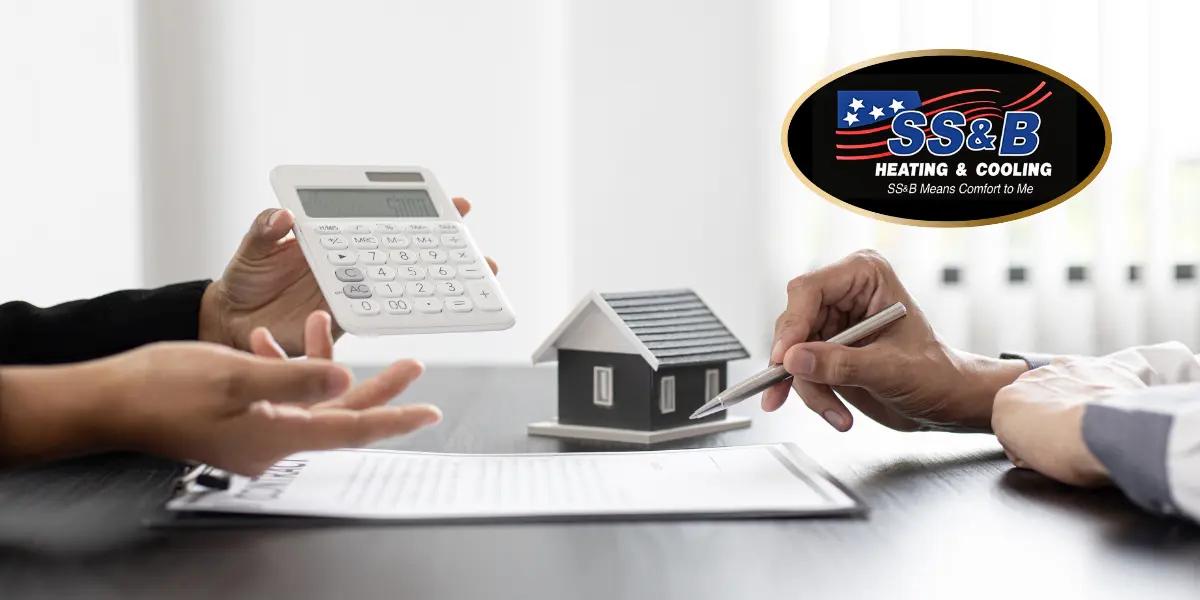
(835, 364)
(269, 227)
(293, 381)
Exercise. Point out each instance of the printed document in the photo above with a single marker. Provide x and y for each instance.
(747, 481)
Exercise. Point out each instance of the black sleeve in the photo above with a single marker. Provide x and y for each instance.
(87, 329)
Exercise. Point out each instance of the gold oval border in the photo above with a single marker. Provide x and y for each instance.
(787, 154)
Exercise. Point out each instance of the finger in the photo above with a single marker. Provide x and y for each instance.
(867, 367)
(256, 378)
(263, 344)
(810, 296)
(318, 335)
(491, 263)
(295, 429)
(380, 388)
(821, 400)
(774, 396)
(269, 227)
(462, 205)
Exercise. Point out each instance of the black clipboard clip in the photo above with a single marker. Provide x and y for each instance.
(206, 477)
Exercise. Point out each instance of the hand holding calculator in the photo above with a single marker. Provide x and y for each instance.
(389, 251)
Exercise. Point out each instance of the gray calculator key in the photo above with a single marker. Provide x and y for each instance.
(349, 274)
(357, 290)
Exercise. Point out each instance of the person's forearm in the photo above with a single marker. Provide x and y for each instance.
(98, 327)
(51, 412)
(987, 375)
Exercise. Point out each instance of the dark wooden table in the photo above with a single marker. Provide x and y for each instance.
(949, 518)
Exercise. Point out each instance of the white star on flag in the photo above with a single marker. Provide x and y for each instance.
(876, 112)
(851, 118)
(896, 105)
(855, 104)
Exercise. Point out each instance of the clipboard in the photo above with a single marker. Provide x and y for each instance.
(749, 482)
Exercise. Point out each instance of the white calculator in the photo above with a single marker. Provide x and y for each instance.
(390, 251)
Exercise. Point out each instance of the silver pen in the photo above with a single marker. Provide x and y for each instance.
(776, 373)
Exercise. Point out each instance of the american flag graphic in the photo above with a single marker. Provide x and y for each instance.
(864, 117)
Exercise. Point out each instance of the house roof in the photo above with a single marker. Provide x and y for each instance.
(667, 327)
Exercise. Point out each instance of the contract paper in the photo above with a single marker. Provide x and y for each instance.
(737, 481)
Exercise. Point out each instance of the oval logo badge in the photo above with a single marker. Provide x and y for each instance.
(947, 138)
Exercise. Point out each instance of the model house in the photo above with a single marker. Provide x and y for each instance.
(633, 367)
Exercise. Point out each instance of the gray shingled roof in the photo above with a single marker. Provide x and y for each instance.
(676, 326)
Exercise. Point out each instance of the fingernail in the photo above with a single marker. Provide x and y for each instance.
(434, 415)
(776, 349)
(273, 218)
(836, 419)
(806, 362)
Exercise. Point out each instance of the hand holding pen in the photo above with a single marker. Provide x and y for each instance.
(904, 376)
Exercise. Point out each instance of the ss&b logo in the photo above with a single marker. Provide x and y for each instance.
(947, 138)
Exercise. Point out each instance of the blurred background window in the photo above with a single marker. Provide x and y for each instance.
(618, 145)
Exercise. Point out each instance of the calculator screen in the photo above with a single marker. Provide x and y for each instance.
(366, 203)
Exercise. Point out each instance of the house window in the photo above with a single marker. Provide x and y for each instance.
(712, 384)
(666, 394)
(602, 386)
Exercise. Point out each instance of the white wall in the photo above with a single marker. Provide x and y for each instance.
(597, 155)
(464, 87)
(666, 130)
(67, 149)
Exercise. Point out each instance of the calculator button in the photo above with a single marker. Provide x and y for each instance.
(373, 257)
(326, 229)
(450, 288)
(425, 240)
(387, 228)
(429, 305)
(365, 307)
(404, 257)
(483, 295)
(441, 272)
(453, 241)
(447, 227)
(470, 272)
(397, 307)
(357, 290)
(389, 290)
(412, 273)
(462, 256)
(419, 288)
(358, 229)
(349, 274)
(364, 241)
(341, 258)
(382, 273)
(459, 304)
(433, 256)
(418, 228)
(395, 240)
(334, 242)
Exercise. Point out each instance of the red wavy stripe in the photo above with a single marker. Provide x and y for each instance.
(1026, 96)
(958, 93)
(855, 146)
(954, 106)
(982, 110)
(1036, 102)
(864, 157)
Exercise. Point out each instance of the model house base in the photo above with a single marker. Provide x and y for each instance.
(634, 436)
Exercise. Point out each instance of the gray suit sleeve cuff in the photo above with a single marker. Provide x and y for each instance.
(1132, 445)
(1032, 360)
